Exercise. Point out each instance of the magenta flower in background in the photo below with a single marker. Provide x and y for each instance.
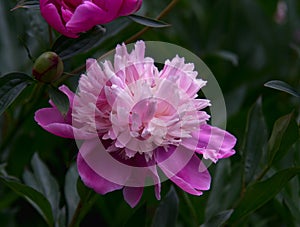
(133, 119)
(71, 17)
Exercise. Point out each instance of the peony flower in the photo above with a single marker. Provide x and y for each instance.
(134, 120)
(70, 17)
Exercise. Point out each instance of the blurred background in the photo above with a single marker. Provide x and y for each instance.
(245, 43)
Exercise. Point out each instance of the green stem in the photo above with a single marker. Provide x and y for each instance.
(76, 217)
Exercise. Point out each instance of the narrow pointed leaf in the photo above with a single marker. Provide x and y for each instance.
(260, 193)
(167, 211)
(229, 56)
(149, 22)
(35, 198)
(255, 140)
(67, 47)
(280, 135)
(71, 194)
(47, 185)
(282, 86)
(11, 86)
(218, 219)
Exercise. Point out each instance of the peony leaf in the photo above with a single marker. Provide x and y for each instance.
(71, 194)
(255, 140)
(227, 55)
(35, 198)
(260, 193)
(282, 86)
(218, 219)
(60, 100)
(67, 47)
(149, 22)
(42, 181)
(167, 211)
(225, 188)
(285, 131)
(61, 219)
(11, 86)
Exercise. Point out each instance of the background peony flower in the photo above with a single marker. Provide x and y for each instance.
(134, 119)
(70, 17)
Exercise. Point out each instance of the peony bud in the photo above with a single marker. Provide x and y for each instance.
(48, 67)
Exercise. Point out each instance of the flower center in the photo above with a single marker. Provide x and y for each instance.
(150, 119)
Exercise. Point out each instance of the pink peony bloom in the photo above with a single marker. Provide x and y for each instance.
(134, 119)
(70, 17)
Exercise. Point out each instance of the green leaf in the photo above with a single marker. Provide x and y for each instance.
(138, 218)
(61, 220)
(149, 22)
(227, 55)
(282, 86)
(255, 140)
(278, 134)
(67, 47)
(167, 211)
(225, 188)
(59, 99)
(11, 86)
(71, 194)
(42, 181)
(35, 198)
(218, 219)
(260, 193)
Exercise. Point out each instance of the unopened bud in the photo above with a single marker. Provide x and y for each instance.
(48, 67)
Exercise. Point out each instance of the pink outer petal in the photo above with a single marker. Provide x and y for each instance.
(52, 121)
(113, 7)
(51, 15)
(93, 180)
(214, 143)
(193, 178)
(86, 16)
(129, 7)
(132, 195)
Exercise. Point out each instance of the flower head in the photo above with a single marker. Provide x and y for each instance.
(70, 17)
(135, 119)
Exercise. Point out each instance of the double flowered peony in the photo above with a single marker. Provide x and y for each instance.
(135, 121)
(71, 17)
